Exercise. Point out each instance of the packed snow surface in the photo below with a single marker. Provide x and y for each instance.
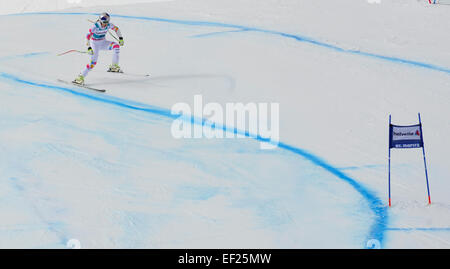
(105, 170)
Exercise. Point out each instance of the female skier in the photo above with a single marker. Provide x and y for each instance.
(96, 42)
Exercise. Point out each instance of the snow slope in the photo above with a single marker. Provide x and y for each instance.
(104, 169)
(23, 6)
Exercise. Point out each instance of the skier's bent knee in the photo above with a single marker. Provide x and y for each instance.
(116, 48)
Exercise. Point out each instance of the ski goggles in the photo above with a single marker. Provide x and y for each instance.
(104, 19)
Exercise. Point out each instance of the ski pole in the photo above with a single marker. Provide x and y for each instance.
(69, 51)
(113, 36)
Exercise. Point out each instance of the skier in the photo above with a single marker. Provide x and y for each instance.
(96, 41)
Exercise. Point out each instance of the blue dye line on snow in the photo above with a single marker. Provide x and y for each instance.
(218, 33)
(98, 97)
(376, 230)
(369, 166)
(431, 229)
(299, 38)
(26, 55)
(33, 54)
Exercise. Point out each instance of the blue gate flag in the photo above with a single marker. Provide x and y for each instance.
(405, 136)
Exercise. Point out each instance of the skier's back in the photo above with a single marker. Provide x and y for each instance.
(96, 41)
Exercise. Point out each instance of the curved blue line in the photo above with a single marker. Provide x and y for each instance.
(377, 229)
(299, 38)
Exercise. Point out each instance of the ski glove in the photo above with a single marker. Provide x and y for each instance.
(121, 41)
(90, 51)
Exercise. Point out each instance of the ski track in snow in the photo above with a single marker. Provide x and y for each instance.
(379, 226)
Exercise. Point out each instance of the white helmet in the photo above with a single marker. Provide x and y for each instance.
(104, 17)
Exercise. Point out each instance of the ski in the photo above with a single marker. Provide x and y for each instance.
(129, 74)
(81, 86)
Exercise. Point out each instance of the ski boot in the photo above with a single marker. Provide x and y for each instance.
(79, 80)
(114, 68)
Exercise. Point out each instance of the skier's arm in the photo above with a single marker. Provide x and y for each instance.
(89, 35)
(88, 43)
(116, 29)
